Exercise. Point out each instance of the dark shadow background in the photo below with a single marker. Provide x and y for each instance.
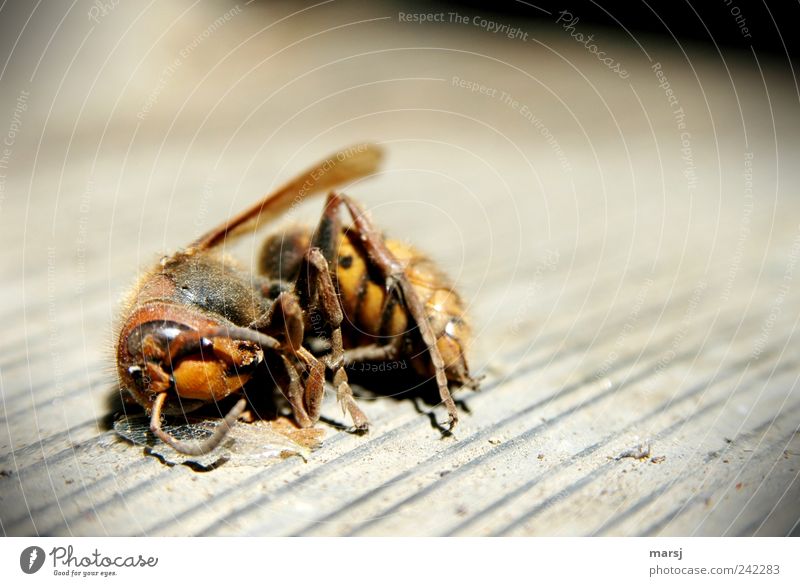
(722, 25)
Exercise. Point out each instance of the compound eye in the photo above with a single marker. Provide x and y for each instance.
(162, 332)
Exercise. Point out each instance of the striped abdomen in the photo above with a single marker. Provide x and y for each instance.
(374, 320)
(369, 319)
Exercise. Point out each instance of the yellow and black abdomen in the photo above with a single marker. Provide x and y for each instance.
(371, 319)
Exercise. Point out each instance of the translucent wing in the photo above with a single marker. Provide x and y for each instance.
(348, 164)
(246, 444)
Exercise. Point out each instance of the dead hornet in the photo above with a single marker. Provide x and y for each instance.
(198, 327)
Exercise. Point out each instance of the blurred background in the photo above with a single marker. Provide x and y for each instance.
(607, 186)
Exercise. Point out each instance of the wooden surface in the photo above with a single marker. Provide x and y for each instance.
(630, 281)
